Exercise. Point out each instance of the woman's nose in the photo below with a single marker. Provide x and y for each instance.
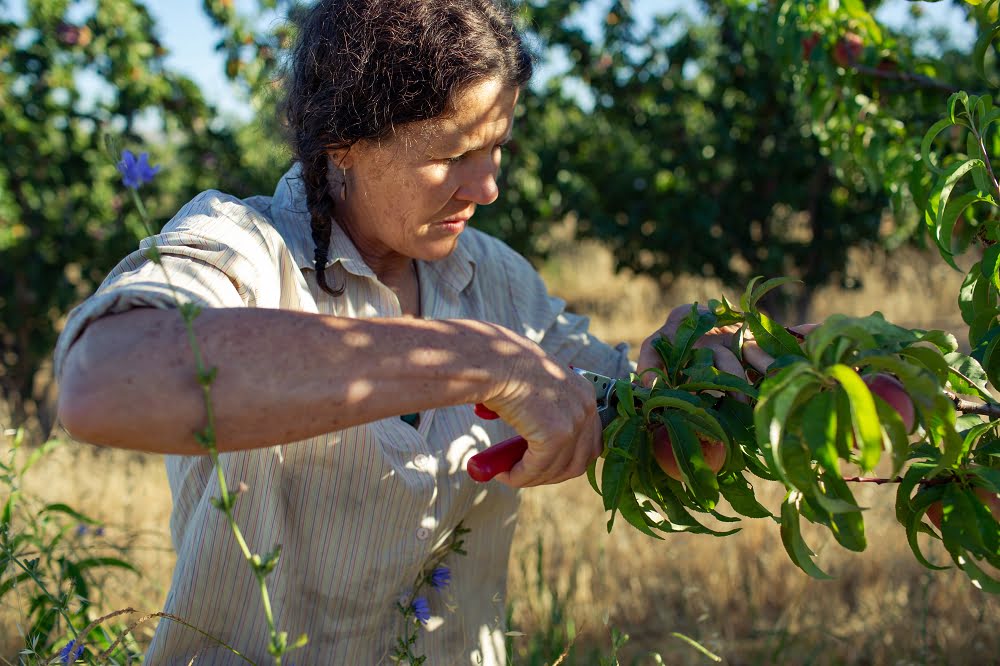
(480, 186)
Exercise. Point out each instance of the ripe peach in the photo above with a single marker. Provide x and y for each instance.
(891, 390)
(992, 500)
(712, 450)
(808, 44)
(848, 49)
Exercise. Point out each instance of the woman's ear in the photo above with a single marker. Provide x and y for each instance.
(340, 158)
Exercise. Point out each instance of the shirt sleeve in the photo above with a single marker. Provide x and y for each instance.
(216, 252)
(564, 335)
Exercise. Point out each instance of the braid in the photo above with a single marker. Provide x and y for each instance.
(321, 207)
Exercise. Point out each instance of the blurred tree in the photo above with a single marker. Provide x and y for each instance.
(69, 72)
(758, 138)
(767, 138)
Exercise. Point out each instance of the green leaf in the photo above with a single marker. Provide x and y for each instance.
(697, 474)
(955, 115)
(759, 292)
(990, 265)
(711, 378)
(626, 396)
(928, 140)
(692, 327)
(782, 394)
(952, 176)
(819, 429)
(619, 465)
(913, 517)
(634, 514)
(972, 296)
(592, 476)
(772, 337)
(678, 517)
(827, 342)
(92, 562)
(59, 507)
(791, 537)
(739, 493)
(895, 431)
(864, 417)
(847, 523)
(979, 51)
(932, 359)
(966, 376)
(979, 578)
(991, 360)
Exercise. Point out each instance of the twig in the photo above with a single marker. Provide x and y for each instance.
(986, 160)
(897, 479)
(905, 77)
(969, 407)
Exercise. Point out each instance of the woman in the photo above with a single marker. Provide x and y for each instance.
(354, 295)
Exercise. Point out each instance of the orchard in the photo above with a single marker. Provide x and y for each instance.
(752, 139)
(831, 404)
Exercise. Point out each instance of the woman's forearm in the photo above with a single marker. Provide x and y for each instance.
(283, 376)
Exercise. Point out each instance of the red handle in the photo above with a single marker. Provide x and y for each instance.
(484, 412)
(498, 458)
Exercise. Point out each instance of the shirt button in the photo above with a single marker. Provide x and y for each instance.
(423, 533)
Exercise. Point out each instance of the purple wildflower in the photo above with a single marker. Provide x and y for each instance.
(422, 609)
(99, 531)
(440, 578)
(71, 652)
(81, 530)
(136, 171)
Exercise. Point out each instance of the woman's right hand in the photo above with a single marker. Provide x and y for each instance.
(552, 407)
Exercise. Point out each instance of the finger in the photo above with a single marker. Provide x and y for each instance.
(726, 361)
(759, 359)
(803, 329)
(586, 451)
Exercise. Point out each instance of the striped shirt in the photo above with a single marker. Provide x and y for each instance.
(361, 512)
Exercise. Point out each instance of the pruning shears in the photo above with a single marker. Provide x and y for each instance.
(503, 456)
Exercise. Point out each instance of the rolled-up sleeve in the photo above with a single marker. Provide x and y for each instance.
(214, 253)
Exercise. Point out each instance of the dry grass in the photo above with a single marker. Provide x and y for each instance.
(739, 596)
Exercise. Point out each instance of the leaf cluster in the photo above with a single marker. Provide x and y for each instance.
(54, 564)
(802, 422)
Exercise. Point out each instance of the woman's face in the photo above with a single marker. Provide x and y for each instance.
(411, 195)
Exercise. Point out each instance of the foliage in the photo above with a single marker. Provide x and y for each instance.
(54, 563)
(67, 72)
(811, 411)
(718, 145)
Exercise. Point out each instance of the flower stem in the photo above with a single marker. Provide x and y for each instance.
(207, 436)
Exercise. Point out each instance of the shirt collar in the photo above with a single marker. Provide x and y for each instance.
(291, 219)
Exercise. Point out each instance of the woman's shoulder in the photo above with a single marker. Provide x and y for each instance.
(488, 251)
(212, 209)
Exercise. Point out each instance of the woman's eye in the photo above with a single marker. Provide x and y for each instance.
(455, 160)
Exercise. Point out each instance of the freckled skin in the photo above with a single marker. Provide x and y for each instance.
(409, 196)
(401, 188)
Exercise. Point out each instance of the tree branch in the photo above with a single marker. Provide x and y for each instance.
(969, 407)
(897, 479)
(905, 77)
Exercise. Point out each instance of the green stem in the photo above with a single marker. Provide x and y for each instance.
(208, 439)
(989, 165)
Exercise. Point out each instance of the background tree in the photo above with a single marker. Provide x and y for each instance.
(749, 138)
(63, 219)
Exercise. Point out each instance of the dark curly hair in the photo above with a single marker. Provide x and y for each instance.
(362, 67)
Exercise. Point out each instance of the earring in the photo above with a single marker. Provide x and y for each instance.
(343, 186)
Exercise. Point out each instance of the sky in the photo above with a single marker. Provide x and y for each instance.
(190, 39)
